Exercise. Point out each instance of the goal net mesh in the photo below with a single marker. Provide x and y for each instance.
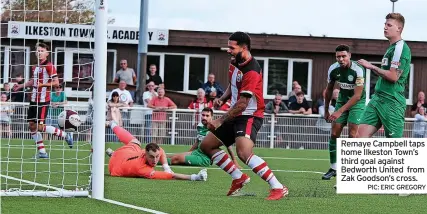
(24, 23)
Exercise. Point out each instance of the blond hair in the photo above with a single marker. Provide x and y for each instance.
(396, 16)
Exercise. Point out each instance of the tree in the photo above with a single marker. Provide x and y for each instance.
(52, 11)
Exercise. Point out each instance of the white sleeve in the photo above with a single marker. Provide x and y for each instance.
(395, 61)
(360, 79)
(331, 68)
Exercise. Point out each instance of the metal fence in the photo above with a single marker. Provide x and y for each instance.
(178, 127)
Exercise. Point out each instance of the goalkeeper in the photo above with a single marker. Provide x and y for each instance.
(132, 161)
(195, 157)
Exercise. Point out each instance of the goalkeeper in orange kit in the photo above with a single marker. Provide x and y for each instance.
(132, 161)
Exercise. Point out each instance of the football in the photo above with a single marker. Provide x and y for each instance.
(69, 120)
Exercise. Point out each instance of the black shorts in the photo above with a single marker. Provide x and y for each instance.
(241, 126)
(37, 112)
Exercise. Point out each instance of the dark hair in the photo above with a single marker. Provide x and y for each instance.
(152, 147)
(342, 48)
(42, 45)
(114, 94)
(208, 110)
(299, 93)
(241, 38)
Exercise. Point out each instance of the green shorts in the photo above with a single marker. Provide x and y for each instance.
(197, 158)
(353, 115)
(387, 113)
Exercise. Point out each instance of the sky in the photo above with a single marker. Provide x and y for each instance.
(332, 18)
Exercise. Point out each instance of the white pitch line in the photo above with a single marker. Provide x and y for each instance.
(307, 159)
(131, 206)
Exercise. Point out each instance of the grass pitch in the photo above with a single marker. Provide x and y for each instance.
(300, 170)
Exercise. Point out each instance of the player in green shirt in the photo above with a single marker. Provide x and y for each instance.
(388, 104)
(350, 103)
(195, 157)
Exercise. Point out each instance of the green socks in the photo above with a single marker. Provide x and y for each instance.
(333, 152)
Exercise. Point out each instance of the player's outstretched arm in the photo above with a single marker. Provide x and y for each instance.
(238, 108)
(353, 100)
(54, 83)
(158, 175)
(164, 161)
(29, 83)
(328, 96)
(391, 75)
(193, 177)
(227, 94)
(194, 146)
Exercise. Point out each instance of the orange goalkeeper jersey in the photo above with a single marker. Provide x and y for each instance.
(129, 161)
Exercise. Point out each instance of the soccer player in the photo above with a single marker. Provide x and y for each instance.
(132, 161)
(242, 122)
(195, 157)
(350, 103)
(388, 104)
(43, 80)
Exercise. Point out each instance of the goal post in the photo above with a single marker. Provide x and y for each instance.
(66, 172)
(98, 157)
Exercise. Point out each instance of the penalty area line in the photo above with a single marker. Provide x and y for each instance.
(130, 206)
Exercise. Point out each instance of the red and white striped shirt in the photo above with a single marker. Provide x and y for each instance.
(199, 106)
(42, 74)
(246, 79)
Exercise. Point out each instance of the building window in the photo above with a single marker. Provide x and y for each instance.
(77, 65)
(181, 72)
(279, 73)
(372, 78)
(174, 72)
(15, 60)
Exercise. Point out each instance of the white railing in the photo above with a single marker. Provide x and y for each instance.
(178, 127)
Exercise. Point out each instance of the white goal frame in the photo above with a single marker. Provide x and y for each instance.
(96, 180)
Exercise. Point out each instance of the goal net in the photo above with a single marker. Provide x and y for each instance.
(67, 28)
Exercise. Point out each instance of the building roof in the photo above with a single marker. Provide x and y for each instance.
(281, 42)
(290, 43)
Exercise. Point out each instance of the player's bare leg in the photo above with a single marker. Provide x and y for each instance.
(366, 131)
(244, 148)
(352, 130)
(336, 133)
(124, 136)
(38, 138)
(178, 159)
(68, 137)
(210, 146)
